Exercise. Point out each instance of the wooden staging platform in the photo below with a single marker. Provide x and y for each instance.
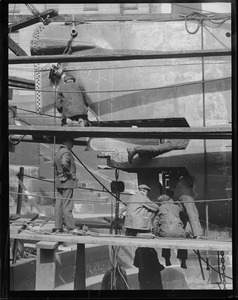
(48, 243)
(104, 239)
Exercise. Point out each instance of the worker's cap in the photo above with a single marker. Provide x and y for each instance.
(68, 77)
(163, 198)
(67, 138)
(143, 187)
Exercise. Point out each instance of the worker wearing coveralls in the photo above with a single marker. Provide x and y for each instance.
(65, 181)
(72, 101)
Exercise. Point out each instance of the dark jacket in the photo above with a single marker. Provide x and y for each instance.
(146, 259)
(167, 221)
(139, 215)
(71, 101)
(65, 169)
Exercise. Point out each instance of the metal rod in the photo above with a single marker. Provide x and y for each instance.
(197, 133)
(113, 55)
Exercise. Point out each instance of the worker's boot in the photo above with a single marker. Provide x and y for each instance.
(183, 264)
(64, 122)
(81, 122)
(167, 262)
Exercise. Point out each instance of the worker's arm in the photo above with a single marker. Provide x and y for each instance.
(59, 101)
(151, 206)
(66, 162)
(85, 96)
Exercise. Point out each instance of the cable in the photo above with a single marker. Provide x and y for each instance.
(216, 38)
(34, 112)
(119, 270)
(73, 199)
(211, 266)
(193, 8)
(114, 67)
(86, 168)
(90, 189)
(17, 142)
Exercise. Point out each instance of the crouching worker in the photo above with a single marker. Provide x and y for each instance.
(65, 181)
(149, 276)
(72, 101)
(139, 212)
(167, 223)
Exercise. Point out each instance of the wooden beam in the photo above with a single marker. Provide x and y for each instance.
(197, 133)
(46, 265)
(15, 48)
(198, 244)
(115, 55)
(79, 278)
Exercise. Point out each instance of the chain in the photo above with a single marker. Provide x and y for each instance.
(223, 269)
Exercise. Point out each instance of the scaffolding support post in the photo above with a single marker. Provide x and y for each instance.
(20, 176)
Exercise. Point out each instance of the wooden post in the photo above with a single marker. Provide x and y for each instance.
(79, 279)
(46, 265)
(20, 176)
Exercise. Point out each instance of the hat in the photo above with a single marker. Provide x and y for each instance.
(68, 77)
(67, 138)
(163, 198)
(143, 187)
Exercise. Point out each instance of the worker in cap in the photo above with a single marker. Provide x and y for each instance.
(143, 187)
(72, 101)
(65, 181)
(139, 212)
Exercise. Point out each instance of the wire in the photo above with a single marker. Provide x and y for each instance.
(34, 112)
(193, 8)
(114, 67)
(143, 89)
(211, 266)
(119, 270)
(90, 189)
(86, 168)
(216, 37)
(96, 201)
